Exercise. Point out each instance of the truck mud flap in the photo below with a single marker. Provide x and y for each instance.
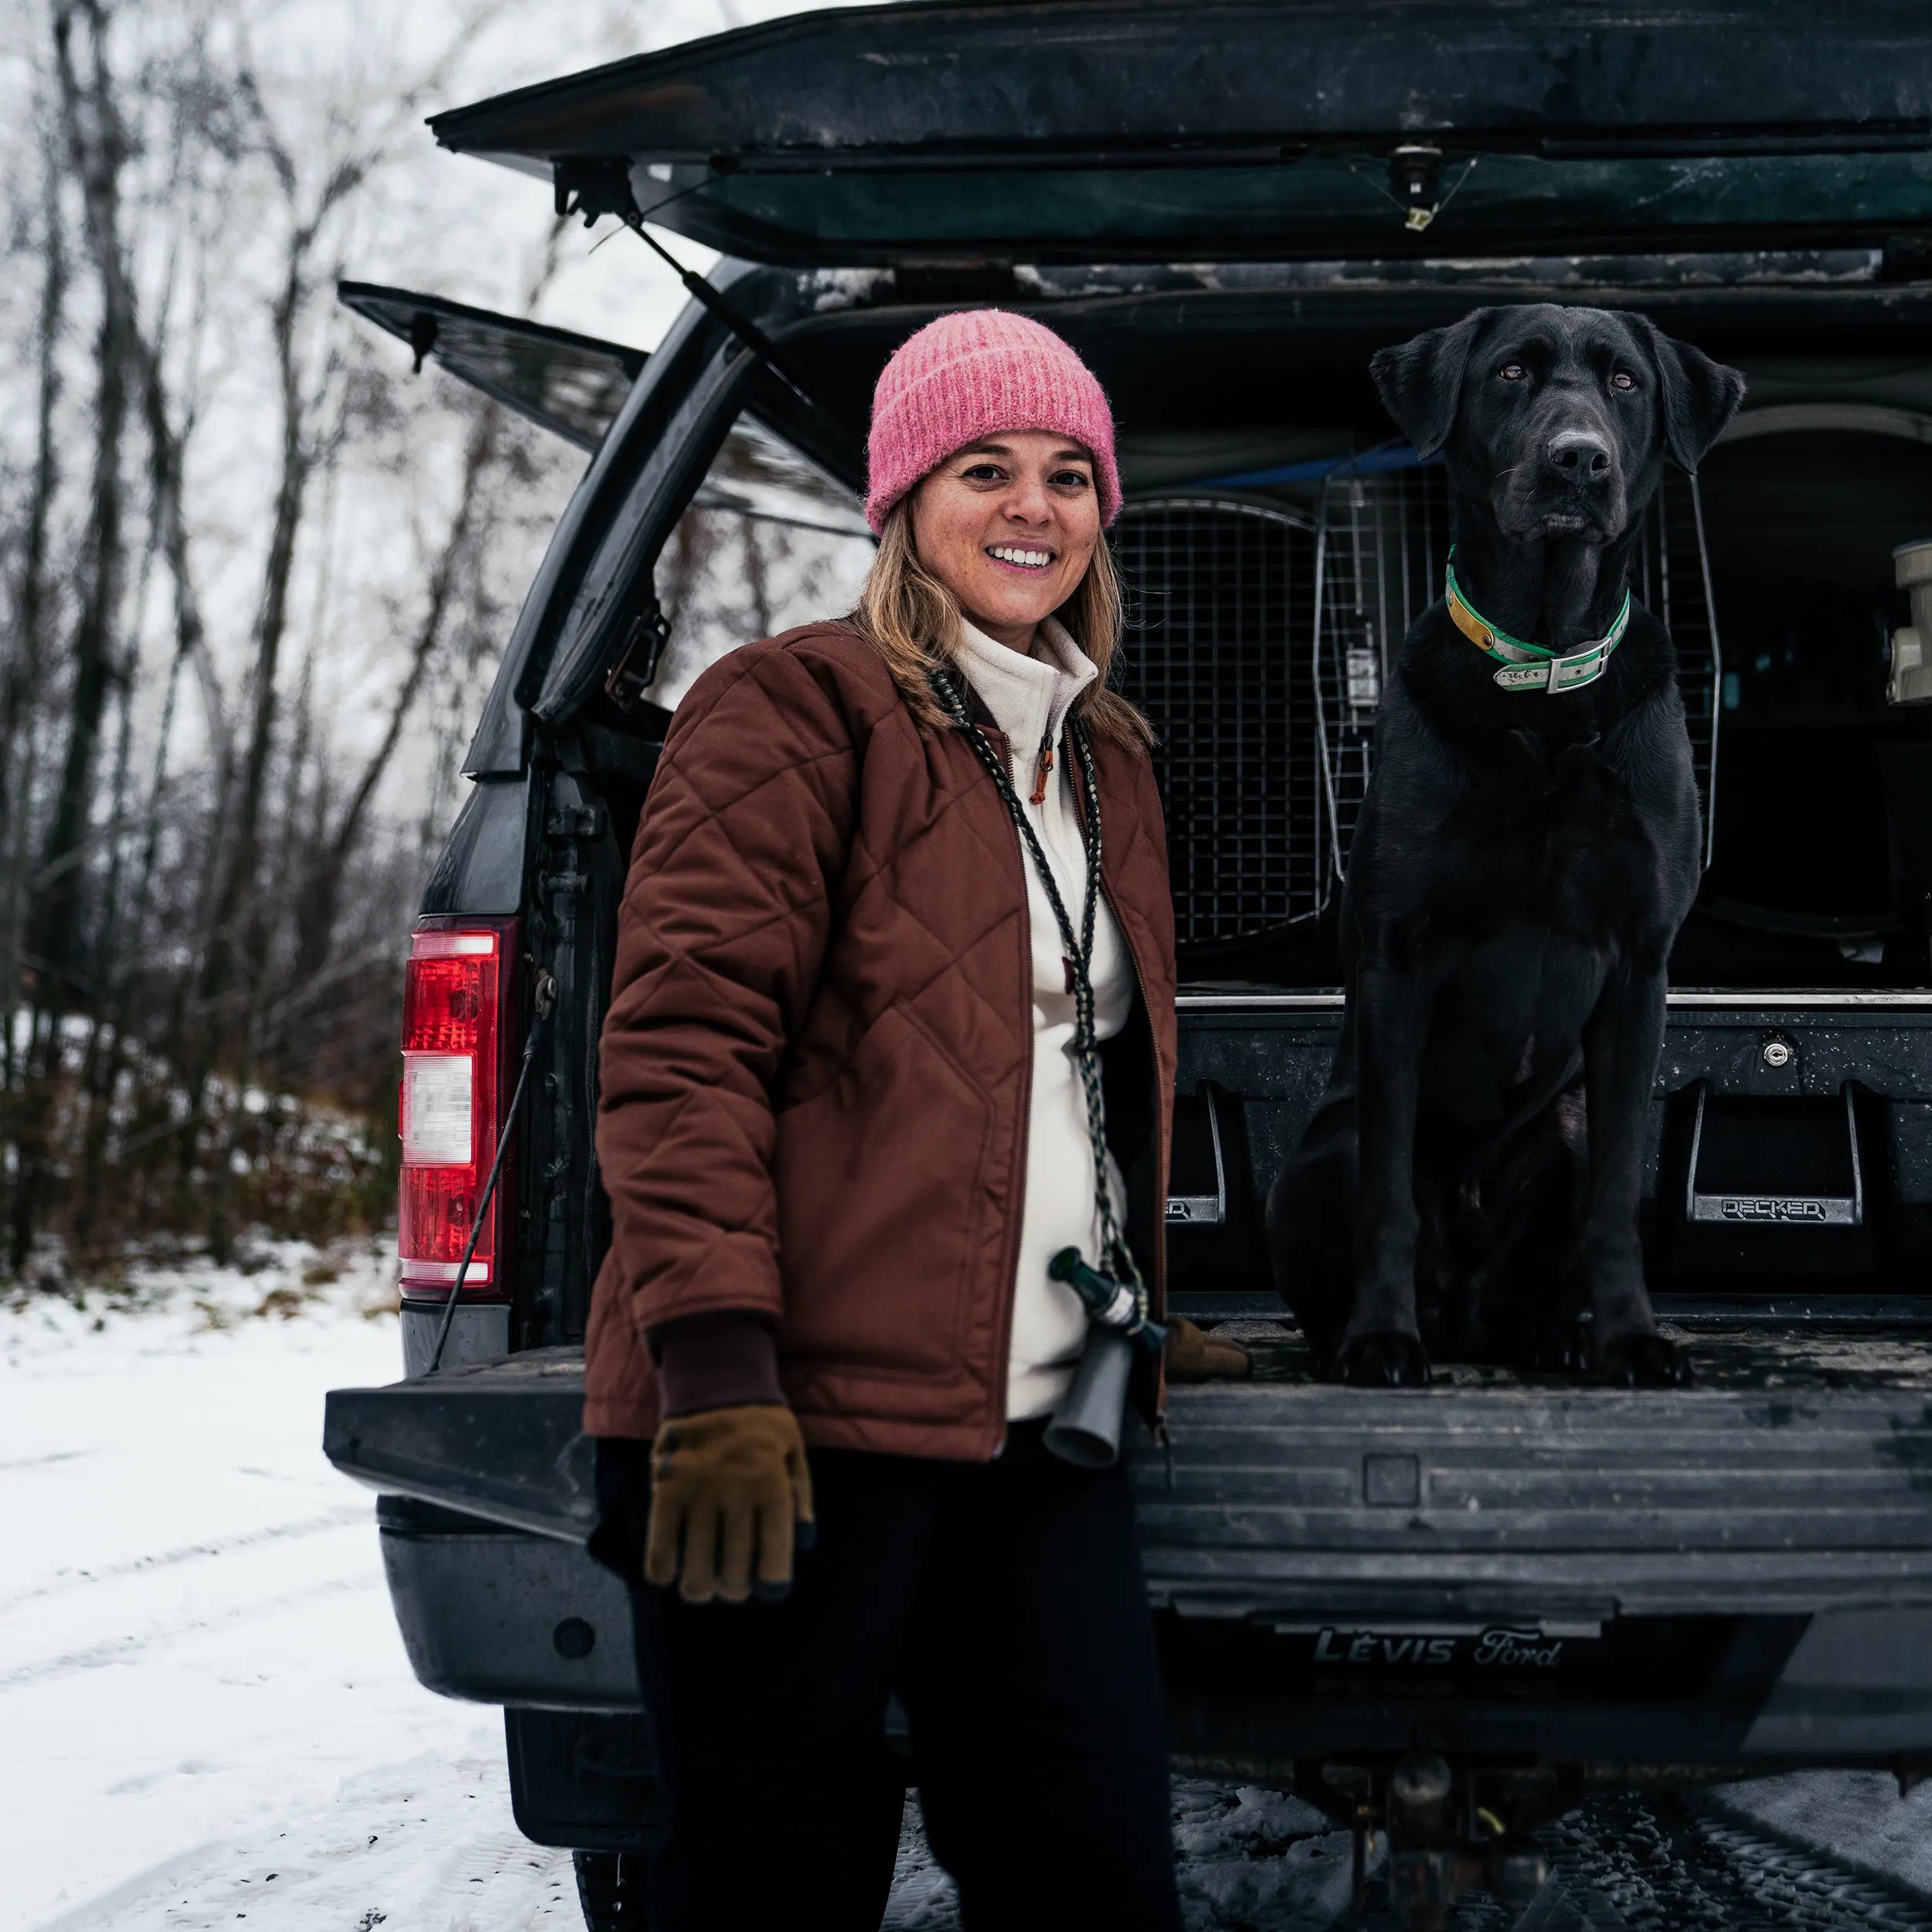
(593, 1783)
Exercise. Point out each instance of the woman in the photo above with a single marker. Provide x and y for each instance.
(864, 970)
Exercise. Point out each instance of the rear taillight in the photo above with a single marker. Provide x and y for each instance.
(455, 1024)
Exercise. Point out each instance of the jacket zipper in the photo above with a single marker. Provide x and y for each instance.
(1009, 1270)
(1161, 1437)
(1043, 770)
(1158, 1298)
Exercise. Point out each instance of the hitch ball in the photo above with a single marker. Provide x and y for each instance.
(1519, 1870)
(1418, 1790)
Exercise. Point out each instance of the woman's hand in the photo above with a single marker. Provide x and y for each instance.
(730, 1490)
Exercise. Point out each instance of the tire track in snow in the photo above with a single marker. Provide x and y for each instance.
(106, 1913)
(64, 1580)
(41, 1462)
(424, 1845)
(118, 1650)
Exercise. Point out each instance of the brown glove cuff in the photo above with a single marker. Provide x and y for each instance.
(717, 1441)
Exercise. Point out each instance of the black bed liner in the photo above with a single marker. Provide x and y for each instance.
(1732, 1356)
(1797, 1477)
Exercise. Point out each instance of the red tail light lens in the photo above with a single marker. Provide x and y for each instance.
(455, 997)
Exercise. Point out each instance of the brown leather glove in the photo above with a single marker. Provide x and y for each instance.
(1192, 1356)
(730, 1489)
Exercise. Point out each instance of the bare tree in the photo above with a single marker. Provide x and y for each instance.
(214, 889)
(98, 149)
(21, 677)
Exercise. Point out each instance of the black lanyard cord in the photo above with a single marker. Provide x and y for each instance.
(1079, 951)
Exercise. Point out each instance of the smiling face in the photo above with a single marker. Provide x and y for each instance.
(1561, 420)
(1009, 525)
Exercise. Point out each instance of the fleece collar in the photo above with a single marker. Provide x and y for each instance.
(1029, 697)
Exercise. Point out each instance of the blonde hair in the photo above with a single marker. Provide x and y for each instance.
(913, 621)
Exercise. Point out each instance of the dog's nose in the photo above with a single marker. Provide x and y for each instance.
(1581, 455)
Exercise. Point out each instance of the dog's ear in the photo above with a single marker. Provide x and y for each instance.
(1700, 397)
(1421, 381)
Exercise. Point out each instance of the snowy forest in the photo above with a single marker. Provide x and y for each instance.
(253, 578)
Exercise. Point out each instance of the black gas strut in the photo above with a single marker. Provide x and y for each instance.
(603, 187)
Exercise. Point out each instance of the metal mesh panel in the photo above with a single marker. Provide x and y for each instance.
(1381, 542)
(1221, 606)
(1672, 578)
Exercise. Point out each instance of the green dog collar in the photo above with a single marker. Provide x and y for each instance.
(1532, 667)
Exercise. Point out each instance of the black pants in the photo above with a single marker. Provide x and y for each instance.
(1003, 1603)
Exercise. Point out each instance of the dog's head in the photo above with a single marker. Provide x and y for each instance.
(1557, 419)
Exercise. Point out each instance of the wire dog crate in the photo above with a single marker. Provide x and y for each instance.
(1259, 644)
(1381, 542)
(1672, 580)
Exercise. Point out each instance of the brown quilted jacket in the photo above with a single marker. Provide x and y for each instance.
(817, 1052)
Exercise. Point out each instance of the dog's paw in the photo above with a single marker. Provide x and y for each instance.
(1383, 1359)
(1644, 1359)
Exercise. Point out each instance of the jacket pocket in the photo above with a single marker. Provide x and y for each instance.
(885, 1224)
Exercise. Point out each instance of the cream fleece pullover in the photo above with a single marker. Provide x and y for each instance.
(1029, 697)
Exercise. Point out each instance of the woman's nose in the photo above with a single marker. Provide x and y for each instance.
(1029, 502)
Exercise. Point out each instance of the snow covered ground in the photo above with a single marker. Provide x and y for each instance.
(206, 1719)
(205, 1709)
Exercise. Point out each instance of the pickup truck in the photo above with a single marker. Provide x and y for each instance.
(1445, 1612)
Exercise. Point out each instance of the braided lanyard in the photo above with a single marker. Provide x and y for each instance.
(1079, 958)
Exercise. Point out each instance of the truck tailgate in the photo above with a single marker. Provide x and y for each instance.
(1739, 1574)
(1583, 1501)
(1797, 1478)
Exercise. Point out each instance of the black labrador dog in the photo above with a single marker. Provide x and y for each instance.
(1529, 845)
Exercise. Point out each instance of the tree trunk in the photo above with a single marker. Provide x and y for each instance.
(96, 147)
(20, 683)
(226, 960)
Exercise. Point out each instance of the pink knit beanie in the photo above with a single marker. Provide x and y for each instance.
(975, 374)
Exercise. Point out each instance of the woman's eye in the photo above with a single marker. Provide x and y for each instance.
(1622, 379)
(982, 473)
(1512, 372)
(1071, 479)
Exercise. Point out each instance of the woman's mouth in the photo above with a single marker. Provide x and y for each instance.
(1019, 556)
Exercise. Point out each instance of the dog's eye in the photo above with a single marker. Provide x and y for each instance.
(1512, 372)
(1623, 379)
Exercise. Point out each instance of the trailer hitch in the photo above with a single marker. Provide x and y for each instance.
(1443, 1843)
(1442, 1839)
